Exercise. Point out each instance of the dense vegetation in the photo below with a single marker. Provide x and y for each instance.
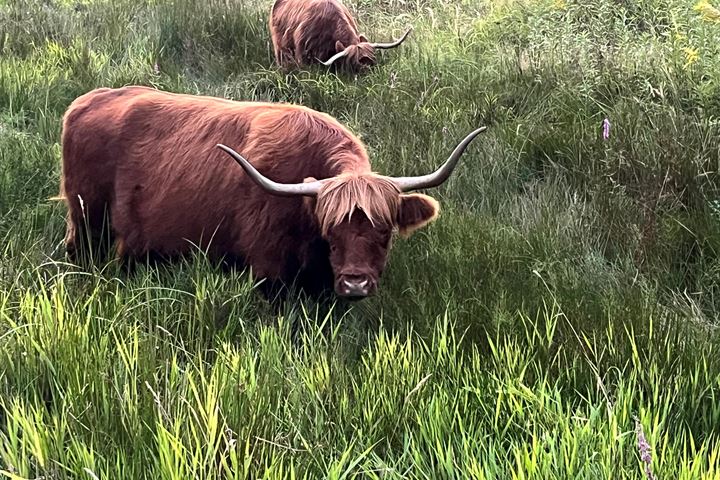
(570, 289)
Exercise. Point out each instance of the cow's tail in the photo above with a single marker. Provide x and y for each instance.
(60, 197)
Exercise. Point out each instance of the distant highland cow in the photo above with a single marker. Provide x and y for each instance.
(150, 160)
(321, 31)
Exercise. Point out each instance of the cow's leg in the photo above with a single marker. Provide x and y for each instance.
(290, 62)
(299, 53)
(71, 232)
(278, 55)
(285, 59)
(121, 249)
(87, 234)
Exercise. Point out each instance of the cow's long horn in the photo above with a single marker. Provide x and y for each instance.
(336, 57)
(395, 43)
(406, 184)
(309, 189)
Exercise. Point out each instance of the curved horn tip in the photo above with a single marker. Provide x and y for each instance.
(407, 184)
(335, 57)
(475, 133)
(242, 161)
(229, 150)
(394, 43)
(469, 138)
(223, 147)
(291, 189)
(478, 130)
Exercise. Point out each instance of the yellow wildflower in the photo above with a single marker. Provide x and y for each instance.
(691, 56)
(707, 11)
(560, 4)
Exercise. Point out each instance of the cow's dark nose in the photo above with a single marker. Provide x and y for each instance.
(356, 286)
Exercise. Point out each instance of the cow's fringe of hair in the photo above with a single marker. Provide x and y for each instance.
(356, 52)
(377, 196)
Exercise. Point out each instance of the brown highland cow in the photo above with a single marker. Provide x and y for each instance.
(321, 31)
(150, 160)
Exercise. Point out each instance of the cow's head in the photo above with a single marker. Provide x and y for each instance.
(361, 55)
(358, 213)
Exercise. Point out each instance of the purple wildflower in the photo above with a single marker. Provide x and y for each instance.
(606, 129)
(156, 69)
(644, 449)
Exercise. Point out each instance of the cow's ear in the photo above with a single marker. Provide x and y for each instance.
(339, 47)
(363, 38)
(416, 211)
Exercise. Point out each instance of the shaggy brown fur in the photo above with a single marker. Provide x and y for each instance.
(305, 31)
(148, 159)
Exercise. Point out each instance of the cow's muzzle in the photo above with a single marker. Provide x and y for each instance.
(354, 286)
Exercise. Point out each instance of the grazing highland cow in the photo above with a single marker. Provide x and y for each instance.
(151, 161)
(321, 31)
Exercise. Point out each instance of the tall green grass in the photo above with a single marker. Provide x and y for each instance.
(570, 287)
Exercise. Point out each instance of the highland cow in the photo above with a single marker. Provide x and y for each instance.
(321, 31)
(308, 209)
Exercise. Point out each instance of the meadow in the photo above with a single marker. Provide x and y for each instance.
(559, 320)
